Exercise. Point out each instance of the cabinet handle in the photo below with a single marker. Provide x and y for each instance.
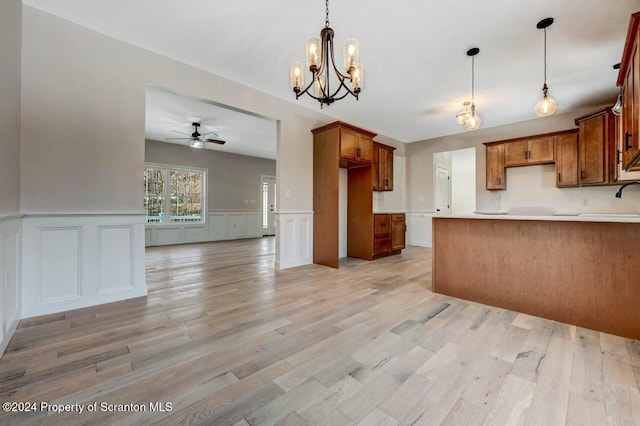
(559, 177)
(358, 151)
(529, 156)
(627, 145)
(499, 180)
(581, 174)
(526, 155)
(386, 182)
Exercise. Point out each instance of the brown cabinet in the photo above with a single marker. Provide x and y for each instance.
(528, 151)
(330, 144)
(495, 167)
(388, 233)
(567, 160)
(355, 145)
(629, 79)
(596, 148)
(531, 150)
(382, 167)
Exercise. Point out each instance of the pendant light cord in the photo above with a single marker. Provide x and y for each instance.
(545, 55)
(326, 20)
(473, 79)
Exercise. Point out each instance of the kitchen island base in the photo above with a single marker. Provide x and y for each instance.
(578, 272)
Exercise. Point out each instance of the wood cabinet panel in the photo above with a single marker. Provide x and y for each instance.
(629, 79)
(355, 146)
(383, 163)
(540, 150)
(495, 167)
(398, 232)
(515, 153)
(566, 160)
(389, 233)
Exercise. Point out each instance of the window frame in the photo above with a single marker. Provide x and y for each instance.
(167, 168)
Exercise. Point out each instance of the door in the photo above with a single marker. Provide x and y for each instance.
(443, 191)
(268, 205)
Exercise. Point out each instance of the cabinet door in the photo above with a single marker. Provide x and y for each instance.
(630, 110)
(591, 150)
(566, 160)
(375, 170)
(398, 230)
(348, 144)
(495, 167)
(385, 174)
(381, 225)
(540, 151)
(516, 153)
(364, 148)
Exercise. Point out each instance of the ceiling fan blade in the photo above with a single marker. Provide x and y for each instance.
(182, 133)
(177, 139)
(218, 141)
(210, 133)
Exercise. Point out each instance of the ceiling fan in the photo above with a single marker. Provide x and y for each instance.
(196, 139)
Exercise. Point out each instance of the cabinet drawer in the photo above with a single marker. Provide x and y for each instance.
(381, 224)
(397, 218)
(381, 245)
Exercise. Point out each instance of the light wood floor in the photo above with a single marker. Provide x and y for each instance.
(227, 340)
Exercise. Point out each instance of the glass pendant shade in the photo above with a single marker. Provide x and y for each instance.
(313, 52)
(320, 86)
(464, 115)
(474, 121)
(296, 75)
(357, 79)
(546, 106)
(350, 53)
(617, 108)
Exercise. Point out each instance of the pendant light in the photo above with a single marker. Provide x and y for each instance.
(545, 106)
(468, 115)
(616, 109)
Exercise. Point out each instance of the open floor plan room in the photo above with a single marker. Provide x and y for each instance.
(223, 338)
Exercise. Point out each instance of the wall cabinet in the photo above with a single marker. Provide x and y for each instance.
(529, 151)
(382, 167)
(355, 146)
(495, 167)
(389, 232)
(596, 148)
(567, 160)
(629, 79)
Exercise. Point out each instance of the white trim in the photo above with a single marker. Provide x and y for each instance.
(10, 278)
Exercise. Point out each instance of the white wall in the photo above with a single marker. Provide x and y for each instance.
(10, 69)
(463, 181)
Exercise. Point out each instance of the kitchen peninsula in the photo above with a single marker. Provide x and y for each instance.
(580, 270)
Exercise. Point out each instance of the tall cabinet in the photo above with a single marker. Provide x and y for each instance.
(629, 80)
(369, 168)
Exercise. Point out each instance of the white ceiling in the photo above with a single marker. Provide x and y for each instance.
(244, 134)
(416, 70)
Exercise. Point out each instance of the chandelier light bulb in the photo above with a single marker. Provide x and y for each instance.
(296, 76)
(547, 105)
(464, 115)
(474, 121)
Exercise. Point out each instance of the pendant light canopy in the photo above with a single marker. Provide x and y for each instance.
(616, 109)
(468, 115)
(545, 106)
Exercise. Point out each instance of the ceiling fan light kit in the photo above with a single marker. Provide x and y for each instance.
(547, 105)
(321, 63)
(468, 116)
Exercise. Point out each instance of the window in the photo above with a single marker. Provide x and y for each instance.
(174, 195)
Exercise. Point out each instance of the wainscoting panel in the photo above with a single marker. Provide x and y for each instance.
(294, 241)
(419, 232)
(77, 260)
(60, 260)
(115, 258)
(10, 287)
(220, 225)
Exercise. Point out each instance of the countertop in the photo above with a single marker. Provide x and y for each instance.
(558, 217)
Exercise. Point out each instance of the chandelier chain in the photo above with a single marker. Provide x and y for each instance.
(326, 20)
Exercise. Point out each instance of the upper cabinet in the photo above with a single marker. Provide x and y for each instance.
(529, 151)
(355, 146)
(382, 167)
(495, 167)
(629, 79)
(597, 148)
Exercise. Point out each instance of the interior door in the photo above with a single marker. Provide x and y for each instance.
(443, 191)
(268, 205)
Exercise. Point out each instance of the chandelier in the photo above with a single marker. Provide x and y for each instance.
(319, 53)
(547, 105)
(468, 115)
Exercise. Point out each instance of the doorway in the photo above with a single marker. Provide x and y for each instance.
(268, 188)
(454, 181)
(443, 190)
